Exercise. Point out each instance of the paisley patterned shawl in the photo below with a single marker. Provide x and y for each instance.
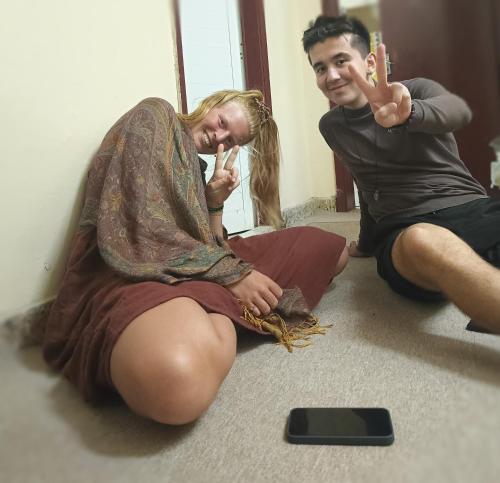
(145, 196)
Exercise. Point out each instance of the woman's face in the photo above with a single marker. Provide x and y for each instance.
(225, 124)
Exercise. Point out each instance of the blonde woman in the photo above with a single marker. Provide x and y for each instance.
(153, 289)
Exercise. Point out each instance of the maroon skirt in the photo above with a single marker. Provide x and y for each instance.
(95, 304)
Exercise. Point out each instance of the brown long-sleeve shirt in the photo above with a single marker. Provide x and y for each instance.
(407, 170)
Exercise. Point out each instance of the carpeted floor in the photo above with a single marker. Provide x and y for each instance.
(440, 382)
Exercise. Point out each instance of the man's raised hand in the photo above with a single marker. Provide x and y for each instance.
(390, 103)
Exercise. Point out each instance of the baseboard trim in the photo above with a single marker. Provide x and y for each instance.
(312, 206)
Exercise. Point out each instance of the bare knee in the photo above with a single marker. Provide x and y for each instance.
(418, 243)
(175, 387)
(417, 254)
(178, 388)
(170, 371)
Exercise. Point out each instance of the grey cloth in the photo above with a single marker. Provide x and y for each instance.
(409, 169)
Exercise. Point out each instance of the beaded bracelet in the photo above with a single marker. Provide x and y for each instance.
(216, 210)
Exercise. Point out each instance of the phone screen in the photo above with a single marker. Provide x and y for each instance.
(340, 425)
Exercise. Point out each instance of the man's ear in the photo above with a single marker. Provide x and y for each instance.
(371, 63)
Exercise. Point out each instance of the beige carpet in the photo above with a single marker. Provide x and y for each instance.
(440, 383)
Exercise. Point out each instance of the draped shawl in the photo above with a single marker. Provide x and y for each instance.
(145, 197)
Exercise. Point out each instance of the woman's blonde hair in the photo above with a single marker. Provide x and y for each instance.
(264, 153)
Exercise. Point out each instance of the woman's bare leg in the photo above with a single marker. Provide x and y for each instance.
(169, 363)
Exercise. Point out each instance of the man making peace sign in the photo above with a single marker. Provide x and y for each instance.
(434, 231)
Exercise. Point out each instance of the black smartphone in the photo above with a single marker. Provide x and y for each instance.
(343, 426)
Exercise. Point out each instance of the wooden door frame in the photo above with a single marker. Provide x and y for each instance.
(180, 57)
(254, 41)
(255, 60)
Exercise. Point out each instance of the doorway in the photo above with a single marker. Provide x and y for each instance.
(213, 60)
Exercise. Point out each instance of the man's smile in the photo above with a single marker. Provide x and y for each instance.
(336, 87)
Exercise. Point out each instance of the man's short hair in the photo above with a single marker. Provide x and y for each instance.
(324, 27)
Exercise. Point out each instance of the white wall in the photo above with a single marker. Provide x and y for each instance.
(298, 104)
(69, 68)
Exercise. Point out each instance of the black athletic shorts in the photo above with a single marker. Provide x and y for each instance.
(477, 223)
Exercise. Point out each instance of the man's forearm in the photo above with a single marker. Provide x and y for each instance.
(435, 109)
(439, 115)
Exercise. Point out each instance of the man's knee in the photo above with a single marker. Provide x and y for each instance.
(418, 243)
(417, 252)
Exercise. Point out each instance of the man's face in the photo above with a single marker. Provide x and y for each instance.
(329, 60)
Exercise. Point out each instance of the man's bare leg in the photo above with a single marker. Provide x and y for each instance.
(435, 259)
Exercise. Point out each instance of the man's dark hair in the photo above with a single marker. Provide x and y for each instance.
(324, 27)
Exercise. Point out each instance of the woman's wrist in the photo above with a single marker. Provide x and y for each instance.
(216, 210)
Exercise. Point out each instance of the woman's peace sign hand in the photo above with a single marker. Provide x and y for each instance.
(390, 103)
(224, 180)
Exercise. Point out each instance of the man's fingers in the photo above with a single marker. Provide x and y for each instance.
(388, 120)
(361, 82)
(381, 66)
(387, 110)
(230, 160)
(386, 116)
(397, 92)
(404, 110)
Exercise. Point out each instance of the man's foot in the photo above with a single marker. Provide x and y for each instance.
(473, 327)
